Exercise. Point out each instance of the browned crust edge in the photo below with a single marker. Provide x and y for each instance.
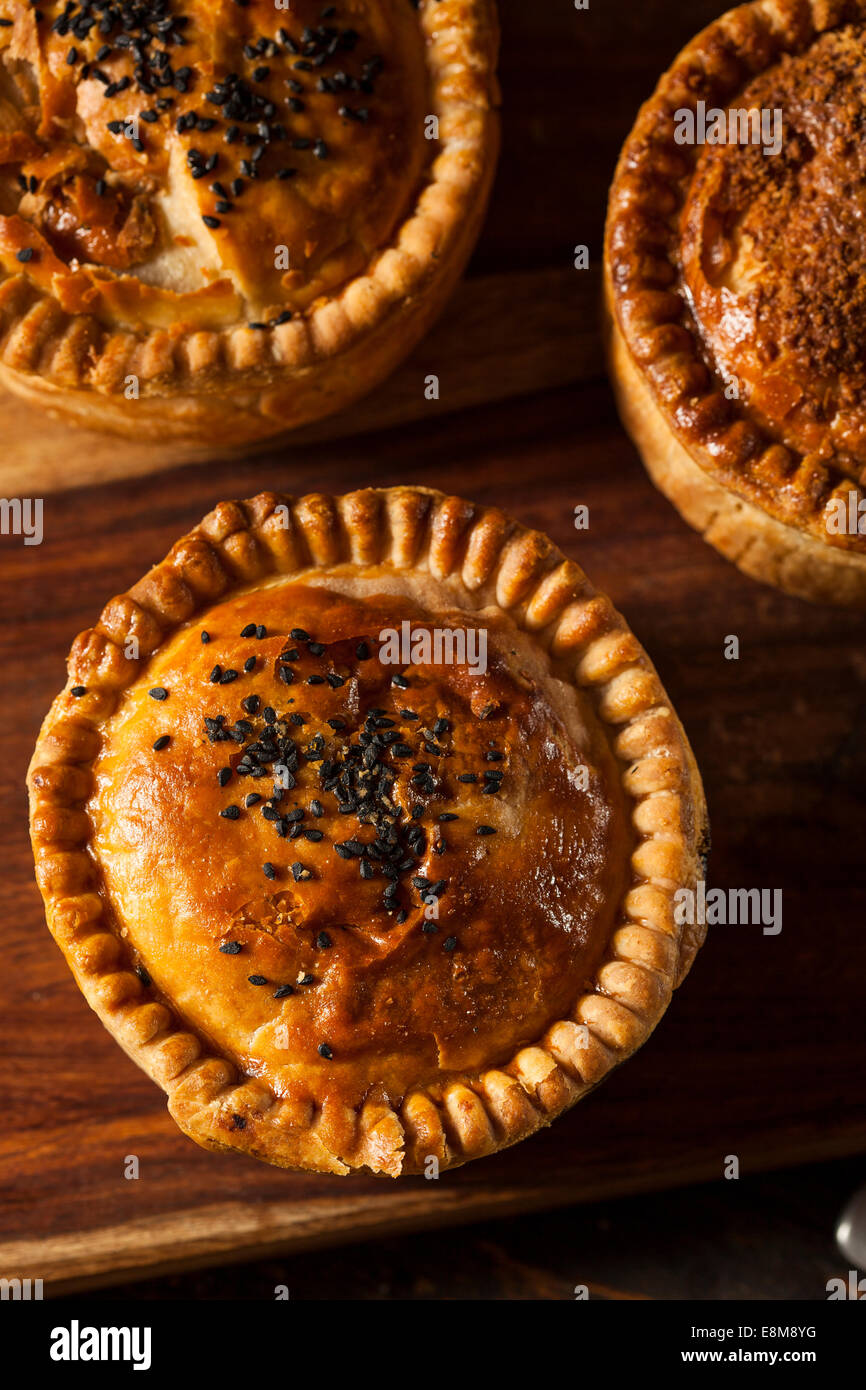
(238, 384)
(799, 491)
(503, 563)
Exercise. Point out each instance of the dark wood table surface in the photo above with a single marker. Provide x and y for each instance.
(766, 1046)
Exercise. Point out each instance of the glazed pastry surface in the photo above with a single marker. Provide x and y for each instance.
(213, 162)
(438, 884)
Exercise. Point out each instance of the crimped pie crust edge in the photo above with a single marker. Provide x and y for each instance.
(318, 362)
(640, 271)
(647, 955)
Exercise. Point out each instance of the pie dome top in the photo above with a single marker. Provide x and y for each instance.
(375, 875)
(774, 253)
(202, 161)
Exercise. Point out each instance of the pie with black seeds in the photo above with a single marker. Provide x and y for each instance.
(221, 220)
(361, 823)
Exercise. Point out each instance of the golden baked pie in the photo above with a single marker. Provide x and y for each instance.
(361, 823)
(221, 219)
(735, 268)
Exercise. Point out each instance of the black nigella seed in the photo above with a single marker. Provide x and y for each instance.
(269, 871)
(317, 808)
(449, 943)
(429, 928)
(316, 649)
(257, 979)
(143, 975)
(231, 948)
(162, 742)
(228, 676)
(224, 775)
(158, 693)
(367, 870)
(283, 991)
(287, 675)
(250, 663)
(230, 812)
(400, 682)
(261, 632)
(315, 680)
(314, 835)
(468, 777)
(401, 750)
(25, 254)
(252, 799)
(448, 815)
(216, 675)
(484, 830)
(307, 980)
(362, 651)
(298, 634)
(249, 630)
(493, 757)
(78, 691)
(269, 715)
(441, 727)
(325, 1051)
(291, 655)
(300, 872)
(251, 704)
(323, 941)
(212, 222)
(205, 637)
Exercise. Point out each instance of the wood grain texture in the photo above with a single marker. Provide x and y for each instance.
(500, 336)
(762, 1053)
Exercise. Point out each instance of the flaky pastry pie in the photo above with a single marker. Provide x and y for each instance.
(361, 823)
(218, 219)
(735, 266)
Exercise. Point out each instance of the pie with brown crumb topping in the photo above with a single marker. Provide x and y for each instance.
(735, 268)
(361, 823)
(220, 220)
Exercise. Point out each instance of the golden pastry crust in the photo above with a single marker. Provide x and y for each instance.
(732, 287)
(399, 984)
(227, 220)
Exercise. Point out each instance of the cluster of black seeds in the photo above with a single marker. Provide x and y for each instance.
(358, 769)
(249, 119)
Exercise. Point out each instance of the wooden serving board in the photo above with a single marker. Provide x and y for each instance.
(763, 1052)
(500, 336)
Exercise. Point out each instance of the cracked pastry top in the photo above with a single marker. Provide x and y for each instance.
(360, 822)
(233, 217)
(735, 266)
